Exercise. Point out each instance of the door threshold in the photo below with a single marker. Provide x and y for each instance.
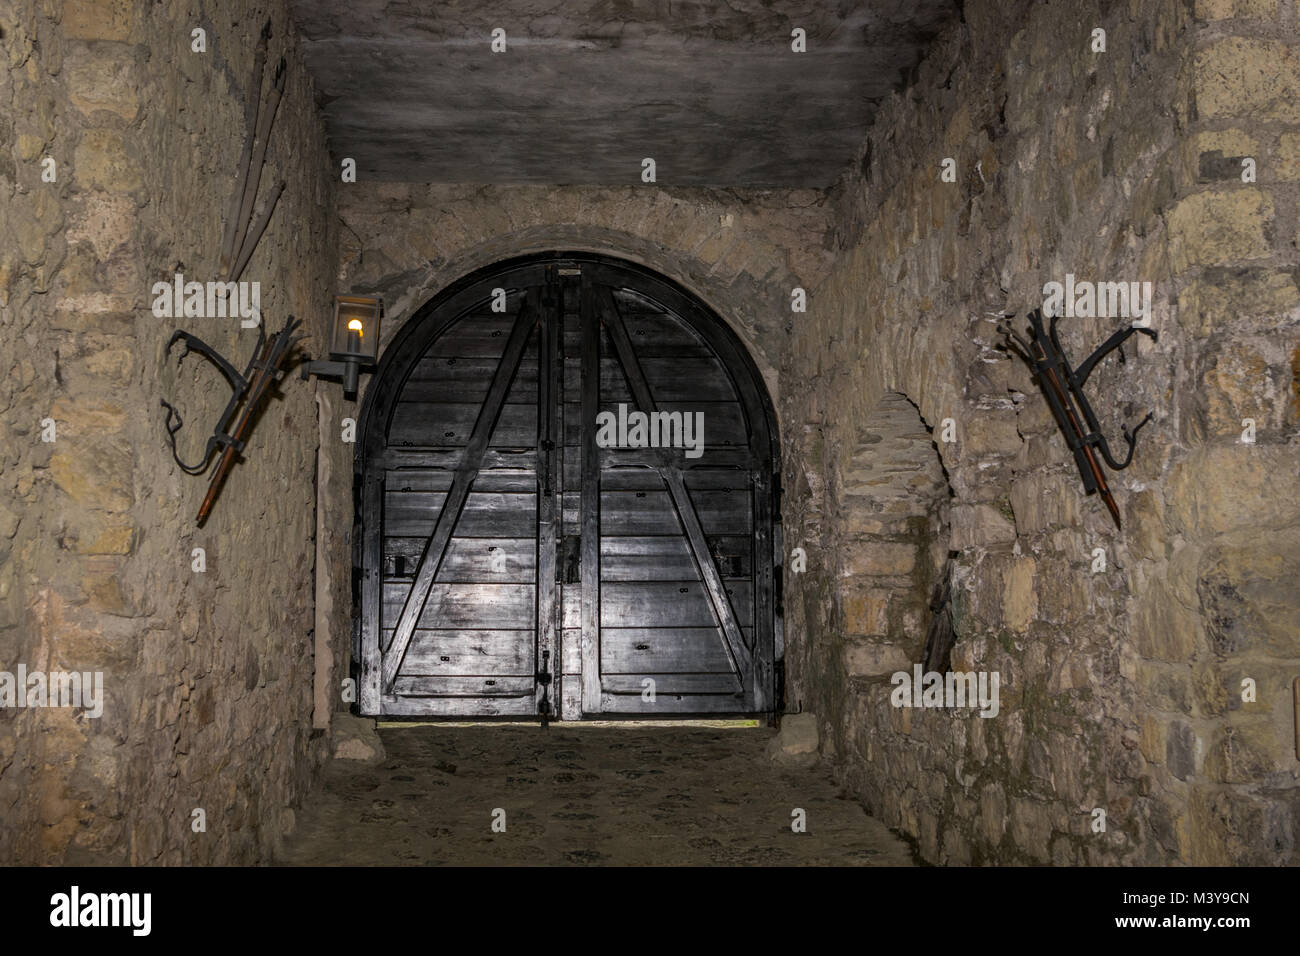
(716, 724)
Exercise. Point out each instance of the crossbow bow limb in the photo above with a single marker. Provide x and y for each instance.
(265, 367)
(1063, 388)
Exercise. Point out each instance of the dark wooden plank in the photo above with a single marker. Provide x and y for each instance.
(498, 481)
(401, 480)
(571, 503)
(465, 606)
(677, 378)
(463, 653)
(669, 558)
(655, 512)
(494, 458)
(679, 705)
(657, 650)
(450, 512)
(646, 477)
(466, 379)
(416, 514)
(468, 560)
(658, 332)
(724, 427)
(474, 336)
(673, 684)
(441, 424)
(464, 687)
(616, 462)
(456, 706)
(671, 604)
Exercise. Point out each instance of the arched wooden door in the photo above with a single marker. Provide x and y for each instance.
(567, 502)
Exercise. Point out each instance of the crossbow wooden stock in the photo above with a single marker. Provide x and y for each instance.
(1063, 388)
(248, 391)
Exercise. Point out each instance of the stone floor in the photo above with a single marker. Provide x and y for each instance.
(626, 796)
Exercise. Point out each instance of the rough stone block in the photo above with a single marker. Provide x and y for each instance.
(97, 19)
(1248, 751)
(355, 738)
(96, 474)
(1231, 827)
(1245, 379)
(101, 160)
(1218, 228)
(1019, 599)
(1042, 502)
(1031, 826)
(989, 433)
(105, 221)
(1243, 9)
(1151, 741)
(88, 415)
(102, 83)
(979, 525)
(1181, 748)
(1248, 77)
(863, 659)
(993, 814)
(1163, 628)
(795, 745)
(1223, 296)
(1225, 488)
(879, 558)
(1249, 597)
(866, 611)
(1286, 163)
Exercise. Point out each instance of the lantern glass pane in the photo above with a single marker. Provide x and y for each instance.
(356, 327)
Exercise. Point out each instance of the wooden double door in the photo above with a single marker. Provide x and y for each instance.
(567, 504)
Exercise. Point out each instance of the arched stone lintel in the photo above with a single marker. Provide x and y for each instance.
(750, 306)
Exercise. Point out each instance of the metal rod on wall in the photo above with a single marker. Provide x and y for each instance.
(1295, 699)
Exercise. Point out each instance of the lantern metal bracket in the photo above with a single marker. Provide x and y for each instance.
(349, 370)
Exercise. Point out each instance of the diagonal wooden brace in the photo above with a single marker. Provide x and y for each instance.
(435, 549)
(724, 615)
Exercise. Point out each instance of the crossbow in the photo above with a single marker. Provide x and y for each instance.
(264, 369)
(1063, 388)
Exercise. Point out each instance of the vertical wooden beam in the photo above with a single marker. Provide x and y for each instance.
(372, 596)
(589, 560)
(435, 549)
(548, 512)
(764, 649)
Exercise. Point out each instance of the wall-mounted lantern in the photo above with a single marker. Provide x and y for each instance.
(356, 340)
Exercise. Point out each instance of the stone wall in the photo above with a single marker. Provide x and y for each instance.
(207, 676)
(915, 453)
(1121, 689)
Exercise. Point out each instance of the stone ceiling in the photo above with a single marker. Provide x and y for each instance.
(587, 89)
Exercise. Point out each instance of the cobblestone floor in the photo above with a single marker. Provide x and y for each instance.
(578, 796)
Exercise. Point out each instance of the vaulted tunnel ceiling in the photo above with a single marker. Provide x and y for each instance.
(587, 89)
